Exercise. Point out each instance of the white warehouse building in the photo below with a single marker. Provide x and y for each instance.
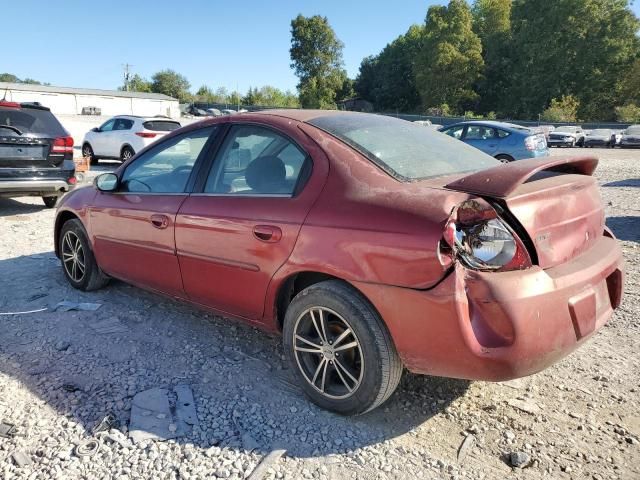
(78, 101)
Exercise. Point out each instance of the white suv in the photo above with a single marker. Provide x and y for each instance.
(123, 136)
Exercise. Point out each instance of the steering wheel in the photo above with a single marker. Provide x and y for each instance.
(146, 186)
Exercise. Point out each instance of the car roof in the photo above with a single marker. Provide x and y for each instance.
(305, 115)
(146, 119)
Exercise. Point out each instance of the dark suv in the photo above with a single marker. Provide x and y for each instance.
(36, 153)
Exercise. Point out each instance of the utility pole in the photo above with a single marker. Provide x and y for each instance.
(127, 77)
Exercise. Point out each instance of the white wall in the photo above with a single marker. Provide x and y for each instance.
(72, 104)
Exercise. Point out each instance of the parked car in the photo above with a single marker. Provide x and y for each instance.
(121, 137)
(371, 243)
(631, 137)
(505, 141)
(600, 137)
(567, 136)
(36, 153)
(213, 112)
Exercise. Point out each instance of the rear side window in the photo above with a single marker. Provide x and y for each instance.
(256, 161)
(32, 122)
(403, 149)
(161, 125)
(123, 124)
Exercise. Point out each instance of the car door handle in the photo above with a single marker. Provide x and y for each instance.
(267, 233)
(160, 221)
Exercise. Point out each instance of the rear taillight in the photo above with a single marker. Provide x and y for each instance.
(530, 143)
(62, 145)
(146, 134)
(72, 181)
(477, 236)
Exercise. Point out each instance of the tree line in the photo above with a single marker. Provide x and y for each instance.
(565, 60)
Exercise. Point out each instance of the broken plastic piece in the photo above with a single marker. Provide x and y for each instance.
(7, 430)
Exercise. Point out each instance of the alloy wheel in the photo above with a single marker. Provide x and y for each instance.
(73, 256)
(127, 154)
(328, 352)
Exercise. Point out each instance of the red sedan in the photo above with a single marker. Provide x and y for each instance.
(371, 243)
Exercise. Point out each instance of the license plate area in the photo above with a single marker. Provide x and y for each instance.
(22, 152)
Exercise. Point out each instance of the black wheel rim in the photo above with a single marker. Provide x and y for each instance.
(73, 257)
(328, 353)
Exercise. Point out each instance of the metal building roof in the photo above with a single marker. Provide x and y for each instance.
(27, 87)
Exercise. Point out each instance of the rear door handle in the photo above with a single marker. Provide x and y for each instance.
(160, 221)
(267, 233)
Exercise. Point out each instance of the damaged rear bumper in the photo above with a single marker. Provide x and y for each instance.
(498, 326)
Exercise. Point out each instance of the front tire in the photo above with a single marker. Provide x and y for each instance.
(78, 262)
(340, 350)
(51, 201)
(126, 153)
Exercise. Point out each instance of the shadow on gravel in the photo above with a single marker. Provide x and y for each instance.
(629, 182)
(9, 207)
(625, 228)
(245, 397)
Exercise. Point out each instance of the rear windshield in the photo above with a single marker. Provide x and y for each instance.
(161, 125)
(31, 122)
(600, 131)
(402, 148)
(633, 130)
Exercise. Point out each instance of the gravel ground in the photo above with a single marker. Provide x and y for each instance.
(60, 373)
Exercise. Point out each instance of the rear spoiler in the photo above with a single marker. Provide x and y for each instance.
(502, 180)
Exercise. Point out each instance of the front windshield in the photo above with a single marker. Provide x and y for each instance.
(403, 148)
(601, 132)
(633, 130)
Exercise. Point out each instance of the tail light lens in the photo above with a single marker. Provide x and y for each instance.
(530, 143)
(146, 134)
(62, 145)
(482, 240)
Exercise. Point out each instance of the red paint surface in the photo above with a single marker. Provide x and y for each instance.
(356, 223)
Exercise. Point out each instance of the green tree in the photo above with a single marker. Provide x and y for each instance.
(11, 78)
(387, 79)
(492, 24)
(628, 113)
(563, 110)
(316, 57)
(137, 84)
(630, 83)
(450, 61)
(171, 83)
(578, 47)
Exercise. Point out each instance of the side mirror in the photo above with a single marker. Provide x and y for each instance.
(107, 182)
(95, 129)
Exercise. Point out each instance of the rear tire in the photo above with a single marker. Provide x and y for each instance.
(126, 153)
(51, 201)
(363, 370)
(87, 151)
(77, 259)
(504, 158)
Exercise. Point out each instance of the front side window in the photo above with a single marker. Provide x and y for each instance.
(256, 161)
(401, 148)
(166, 168)
(108, 125)
(455, 132)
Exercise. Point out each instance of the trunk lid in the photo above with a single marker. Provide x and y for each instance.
(23, 152)
(554, 200)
